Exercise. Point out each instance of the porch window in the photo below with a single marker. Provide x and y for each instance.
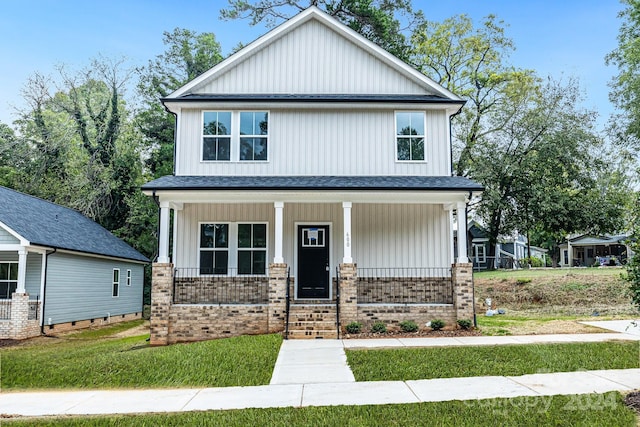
(254, 129)
(116, 282)
(252, 248)
(8, 279)
(410, 135)
(214, 248)
(216, 135)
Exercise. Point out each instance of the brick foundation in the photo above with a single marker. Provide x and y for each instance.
(90, 323)
(392, 315)
(348, 294)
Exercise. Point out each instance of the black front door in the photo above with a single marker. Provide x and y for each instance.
(313, 261)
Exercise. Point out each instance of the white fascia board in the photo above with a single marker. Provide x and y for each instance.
(319, 196)
(23, 241)
(351, 35)
(111, 258)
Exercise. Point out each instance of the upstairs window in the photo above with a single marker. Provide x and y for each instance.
(234, 136)
(216, 136)
(253, 135)
(410, 136)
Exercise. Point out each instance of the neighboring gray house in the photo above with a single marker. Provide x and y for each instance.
(590, 250)
(314, 158)
(60, 270)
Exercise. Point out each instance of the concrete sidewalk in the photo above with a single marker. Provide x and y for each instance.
(315, 373)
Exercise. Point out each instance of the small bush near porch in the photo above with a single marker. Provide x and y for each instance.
(94, 361)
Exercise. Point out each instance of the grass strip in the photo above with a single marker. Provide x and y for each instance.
(578, 410)
(451, 362)
(132, 363)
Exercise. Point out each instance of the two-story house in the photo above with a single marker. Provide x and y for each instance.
(312, 188)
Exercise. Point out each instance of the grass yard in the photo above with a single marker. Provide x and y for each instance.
(581, 410)
(96, 360)
(451, 362)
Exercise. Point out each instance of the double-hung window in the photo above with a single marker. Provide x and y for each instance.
(214, 248)
(216, 135)
(410, 135)
(8, 279)
(116, 282)
(234, 136)
(252, 248)
(480, 254)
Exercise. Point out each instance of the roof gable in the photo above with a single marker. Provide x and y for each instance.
(313, 53)
(44, 223)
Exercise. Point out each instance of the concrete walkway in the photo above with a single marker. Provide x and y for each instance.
(315, 373)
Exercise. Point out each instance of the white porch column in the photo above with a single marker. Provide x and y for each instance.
(346, 209)
(22, 271)
(461, 214)
(163, 236)
(569, 252)
(278, 257)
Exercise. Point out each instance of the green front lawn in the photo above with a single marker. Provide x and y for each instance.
(450, 362)
(549, 273)
(82, 361)
(581, 410)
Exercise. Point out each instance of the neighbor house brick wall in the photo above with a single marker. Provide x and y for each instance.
(277, 297)
(392, 315)
(189, 323)
(348, 294)
(462, 275)
(161, 299)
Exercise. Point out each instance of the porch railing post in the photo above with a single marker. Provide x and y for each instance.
(348, 274)
(162, 282)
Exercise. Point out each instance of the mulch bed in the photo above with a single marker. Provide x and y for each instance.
(8, 343)
(419, 334)
(632, 400)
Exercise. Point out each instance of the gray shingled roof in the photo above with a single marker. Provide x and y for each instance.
(43, 223)
(297, 183)
(319, 98)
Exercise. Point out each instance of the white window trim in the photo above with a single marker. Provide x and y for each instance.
(480, 255)
(234, 144)
(128, 277)
(228, 248)
(266, 248)
(395, 136)
(114, 282)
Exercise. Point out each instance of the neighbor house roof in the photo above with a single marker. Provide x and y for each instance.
(299, 183)
(43, 223)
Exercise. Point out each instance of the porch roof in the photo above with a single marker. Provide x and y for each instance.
(320, 183)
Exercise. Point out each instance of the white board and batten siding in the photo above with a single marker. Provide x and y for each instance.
(311, 59)
(80, 288)
(322, 142)
(383, 235)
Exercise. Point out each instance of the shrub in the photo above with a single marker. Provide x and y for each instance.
(409, 326)
(354, 327)
(465, 323)
(379, 328)
(522, 281)
(437, 324)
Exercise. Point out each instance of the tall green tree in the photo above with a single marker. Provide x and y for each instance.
(384, 22)
(188, 54)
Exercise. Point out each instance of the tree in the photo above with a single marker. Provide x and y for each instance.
(188, 54)
(380, 21)
(472, 63)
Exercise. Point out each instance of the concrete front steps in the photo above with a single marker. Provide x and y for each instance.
(312, 321)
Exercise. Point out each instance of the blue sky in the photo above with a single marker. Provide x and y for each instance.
(553, 37)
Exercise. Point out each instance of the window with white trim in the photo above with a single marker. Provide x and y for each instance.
(410, 135)
(8, 279)
(128, 277)
(252, 248)
(214, 248)
(235, 135)
(116, 282)
(233, 248)
(480, 253)
(254, 129)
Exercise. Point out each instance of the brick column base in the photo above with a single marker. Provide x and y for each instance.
(20, 327)
(161, 299)
(462, 278)
(277, 297)
(348, 294)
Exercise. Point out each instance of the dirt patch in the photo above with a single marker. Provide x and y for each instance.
(138, 330)
(632, 400)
